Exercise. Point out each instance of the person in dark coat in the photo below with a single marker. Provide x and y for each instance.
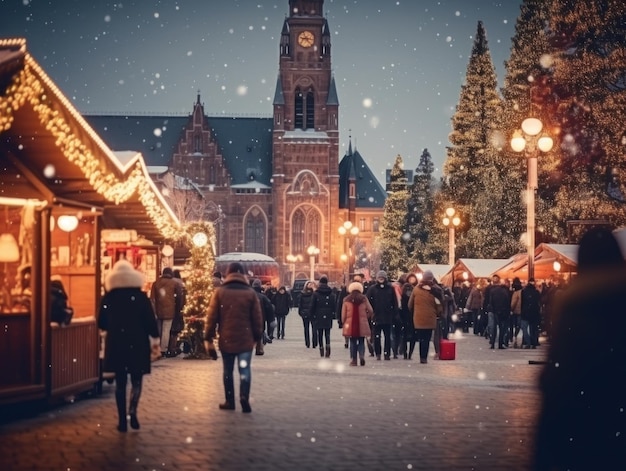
(127, 317)
(323, 306)
(530, 317)
(582, 420)
(235, 313)
(268, 315)
(383, 299)
(406, 316)
(304, 310)
(282, 303)
(497, 304)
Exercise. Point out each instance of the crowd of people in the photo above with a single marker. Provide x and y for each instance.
(581, 423)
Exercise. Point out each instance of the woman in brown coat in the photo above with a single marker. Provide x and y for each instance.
(356, 311)
(426, 307)
(235, 312)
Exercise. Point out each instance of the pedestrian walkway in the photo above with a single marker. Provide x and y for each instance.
(309, 413)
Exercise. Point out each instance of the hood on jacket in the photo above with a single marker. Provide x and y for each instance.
(123, 275)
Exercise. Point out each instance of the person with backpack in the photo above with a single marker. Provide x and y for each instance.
(322, 311)
(356, 312)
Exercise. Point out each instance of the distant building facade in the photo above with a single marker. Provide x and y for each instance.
(277, 183)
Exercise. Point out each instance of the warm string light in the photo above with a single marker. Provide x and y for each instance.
(27, 88)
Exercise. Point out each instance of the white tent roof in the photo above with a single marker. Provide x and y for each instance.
(438, 270)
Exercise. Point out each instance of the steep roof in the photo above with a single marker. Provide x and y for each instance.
(369, 192)
(156, 138)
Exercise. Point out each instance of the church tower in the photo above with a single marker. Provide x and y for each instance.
(305, 174)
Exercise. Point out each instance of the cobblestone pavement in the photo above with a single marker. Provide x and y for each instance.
(309, 413)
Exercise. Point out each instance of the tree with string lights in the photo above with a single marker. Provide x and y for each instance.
(200, 238)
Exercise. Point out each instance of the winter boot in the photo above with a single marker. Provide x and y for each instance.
(327, 351)
(321, 351)
(135, 394)
(120, 401)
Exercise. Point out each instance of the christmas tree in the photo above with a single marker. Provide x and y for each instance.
(200, 237)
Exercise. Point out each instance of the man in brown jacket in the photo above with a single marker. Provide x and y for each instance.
(426, 307)
(167, 298)
(235, 313)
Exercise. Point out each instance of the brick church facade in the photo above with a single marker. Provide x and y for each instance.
(273, 185)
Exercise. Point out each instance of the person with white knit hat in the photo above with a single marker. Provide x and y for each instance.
(127, 317)
(356, 312)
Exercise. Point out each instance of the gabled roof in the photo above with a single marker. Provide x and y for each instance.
(245, 143)
(332, 98)
(369, 192)
(475, 268)
(438, 270)
(48, 151)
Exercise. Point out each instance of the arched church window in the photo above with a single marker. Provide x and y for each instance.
(255, 233)
(299, 110)
(310, 110)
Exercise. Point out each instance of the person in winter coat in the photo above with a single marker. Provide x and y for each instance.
(268, 316)
(383, 299)
(167, 296)
(406, 316)
(497, 304)
(356, 312)
(127, 317)
(582, 419)
(426, 308)
(516, 311)
(282, 303)
(342, 294)
(475, 303)
(323, 306)
(530, 315)
(304, 310)
(235, 313)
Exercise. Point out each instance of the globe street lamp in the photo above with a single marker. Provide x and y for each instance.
(313, 252)
(349, 231)
(451, 220)
(531, 141)
(292, 259)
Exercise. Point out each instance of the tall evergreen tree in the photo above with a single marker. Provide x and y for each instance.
(420, 208)
(589, 53)
(394, 227)
(527, 93)
(475, 163)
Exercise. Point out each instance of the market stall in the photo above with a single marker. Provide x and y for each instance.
(60, 187)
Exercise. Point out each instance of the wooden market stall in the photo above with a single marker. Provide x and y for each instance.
(551, 260)
(60, 186)
(472, 269)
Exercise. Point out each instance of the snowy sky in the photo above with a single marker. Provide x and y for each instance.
(398, 64)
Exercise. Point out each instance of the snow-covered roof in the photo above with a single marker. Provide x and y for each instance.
(254, 184)
(437, 270)
(244, 257)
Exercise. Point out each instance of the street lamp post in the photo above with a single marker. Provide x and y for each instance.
(292, 259)
(344, 261)
(349, 231)
(531, 141)
(451, 220)
(313, 252)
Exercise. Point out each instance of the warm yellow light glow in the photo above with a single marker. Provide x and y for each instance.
(446, 221)
(67, 222)
(450, 212)
(344, 258)
(532, 126)
(9, 250)
(545, 143)
(456, 220)
(200, 239)
(557, 266)
(518, 143)
(167, 251)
